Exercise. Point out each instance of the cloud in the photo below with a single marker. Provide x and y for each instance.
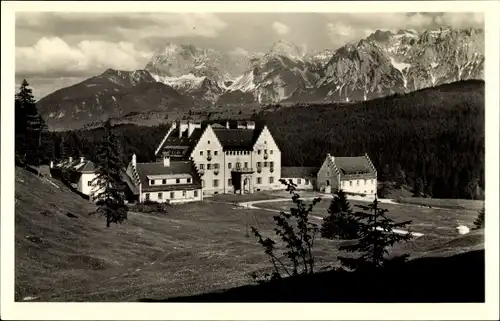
(461, 20)
(280, 28)
(119, 26)
(53, 56)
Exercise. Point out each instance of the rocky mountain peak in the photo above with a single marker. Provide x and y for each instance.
(286, 49)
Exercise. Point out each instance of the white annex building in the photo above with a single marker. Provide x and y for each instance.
(78, 173)
(354, 175)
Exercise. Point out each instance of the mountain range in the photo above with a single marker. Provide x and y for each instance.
(184, 78)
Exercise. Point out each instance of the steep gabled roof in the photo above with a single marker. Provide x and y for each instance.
(78, 166)
(238, 139)
(354, 167)
(298, 172)
(184, 145)
(176, 167)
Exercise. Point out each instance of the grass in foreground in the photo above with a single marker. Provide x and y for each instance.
(194, 248)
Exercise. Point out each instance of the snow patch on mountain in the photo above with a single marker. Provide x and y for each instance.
(244, 83)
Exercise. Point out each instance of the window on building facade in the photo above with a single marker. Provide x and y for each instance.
(271, 180)
(215, 153)
(152, 182)
(208, 142)
(160, 196)
(307, 182)
(229, 165)
(246, 164)
(271, 164)
(183, 193)
(209, 166)
(299, 181)
(201, 153)
(189, 180)
(259, 164)
(177, 180)
(350, 183)
(216, 166)
(258, 151)
(164, 181)
(229, 182)
(89, 183)
(238, 165)
(202, 166)
(270, 151)
(172, 195)
(357, 182)
(195, 193)
(265, 164)
(216, 183)
(147, 196)
(259, 180)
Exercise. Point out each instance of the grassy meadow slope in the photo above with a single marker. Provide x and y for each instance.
(194, 248)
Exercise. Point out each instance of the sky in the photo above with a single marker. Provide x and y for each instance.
(59, 49)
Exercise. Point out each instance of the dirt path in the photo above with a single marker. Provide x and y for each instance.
(250, 205)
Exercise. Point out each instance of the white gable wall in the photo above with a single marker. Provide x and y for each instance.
(85, 184)
(327, 174)
(266, 142)
(209, 142)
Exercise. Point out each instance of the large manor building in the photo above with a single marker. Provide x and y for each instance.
(195, 160)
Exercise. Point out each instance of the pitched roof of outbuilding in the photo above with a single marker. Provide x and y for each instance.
(298, 172)
(175, 168)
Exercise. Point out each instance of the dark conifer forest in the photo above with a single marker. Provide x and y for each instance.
(431, 140)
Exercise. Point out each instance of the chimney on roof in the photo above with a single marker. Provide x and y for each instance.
(134, 160)
(182, 128)
(166, 161)
(192, 127)
(71, 159)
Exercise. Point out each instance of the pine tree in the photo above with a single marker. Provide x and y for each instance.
(340, 223)
(29, 127)
(479, 222)
(376, 236)
(108, 187)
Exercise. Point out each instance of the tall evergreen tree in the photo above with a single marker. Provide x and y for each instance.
(108, 186)
(29, 127)
(376, 236)
(340, 223)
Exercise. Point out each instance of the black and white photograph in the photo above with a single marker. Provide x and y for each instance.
(250, 156)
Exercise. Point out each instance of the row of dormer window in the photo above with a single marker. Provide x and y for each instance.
(244, 152)
(237, 164)
(164, 181)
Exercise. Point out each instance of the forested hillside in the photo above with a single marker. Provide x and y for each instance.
(432, 139)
